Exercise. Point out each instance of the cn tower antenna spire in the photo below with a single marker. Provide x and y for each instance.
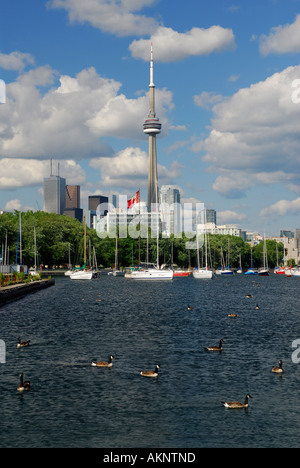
(152, 127)
(151, 68)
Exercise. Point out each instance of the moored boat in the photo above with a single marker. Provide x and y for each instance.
(152, 274)
(295, 271)
(202, 273)
(182, 273)
(279, 271)
(82, 275)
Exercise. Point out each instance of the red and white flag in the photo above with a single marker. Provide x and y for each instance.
(135, 199)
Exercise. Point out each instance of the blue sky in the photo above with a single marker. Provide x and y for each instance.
(227, 79)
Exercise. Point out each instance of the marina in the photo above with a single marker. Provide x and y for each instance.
(143, 324)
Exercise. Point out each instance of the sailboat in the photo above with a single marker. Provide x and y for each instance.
(116, 271)
(153, 272)
(202, 273)
(224, 270)
(83, 273)
(240, 270)
(70, 270)
(251, 271)
(264, 271)
(295, 271)
(33, 272)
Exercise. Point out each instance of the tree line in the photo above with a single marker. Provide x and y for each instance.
(58, 236)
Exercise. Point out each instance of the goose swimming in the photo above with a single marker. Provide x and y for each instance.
(215, 348)
(103, 363)
(24, 386)
(151, 373)
(237, 404)
(278, 369)
(22, 344)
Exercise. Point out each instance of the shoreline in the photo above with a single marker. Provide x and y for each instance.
(17, 291)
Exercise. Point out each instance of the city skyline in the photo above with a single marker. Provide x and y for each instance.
(227, 94)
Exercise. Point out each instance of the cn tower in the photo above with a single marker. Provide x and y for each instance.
(152, 127)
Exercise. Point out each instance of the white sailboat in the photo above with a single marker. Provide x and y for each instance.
(34, 272)
(295, 271)
(70, 270)
(264, 271)
(224, 270)
(83, 273)
(116, 271)
(202, 273)
(153, 272)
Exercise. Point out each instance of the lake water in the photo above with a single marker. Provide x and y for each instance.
(72, 404)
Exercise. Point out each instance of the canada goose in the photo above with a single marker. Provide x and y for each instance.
(257, 307)
(23, 385)
(103, 363)
(249, 296)
(190, 308)
(215, 348)
(278, 369)
(22, 344)
(237, 404)
(151, 373)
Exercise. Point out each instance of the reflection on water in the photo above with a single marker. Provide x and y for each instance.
(72, 404)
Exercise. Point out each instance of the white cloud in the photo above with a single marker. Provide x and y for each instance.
(13, 205)
(282, 39)
(129, 169)
(282, 207)
(115, 17)
(207, 100)
(16, 173)
(170, 45)
(15, 60)
(123, 118)
(255, 137)
(58, 123)
(230, 217)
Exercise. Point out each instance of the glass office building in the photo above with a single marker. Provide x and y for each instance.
(54, 194)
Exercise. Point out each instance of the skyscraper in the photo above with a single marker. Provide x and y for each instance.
(170, 209)
(54, 194)
(152, 127)
(72, 196)
(72, 208)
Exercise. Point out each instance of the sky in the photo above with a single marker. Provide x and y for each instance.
(227, 79)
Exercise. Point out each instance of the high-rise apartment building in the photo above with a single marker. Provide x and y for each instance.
(170, 209)
(54, 194)
(298, 238)
(206, 216)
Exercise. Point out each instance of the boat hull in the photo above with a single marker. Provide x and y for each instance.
(251, 272)
(264, 273)
(295, 272)
(81, 275)
(279, 271)
(182, 273)
(202, 274)
(163, 275)
(119, 273)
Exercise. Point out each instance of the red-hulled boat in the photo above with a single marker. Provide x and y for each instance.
(182, 273)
